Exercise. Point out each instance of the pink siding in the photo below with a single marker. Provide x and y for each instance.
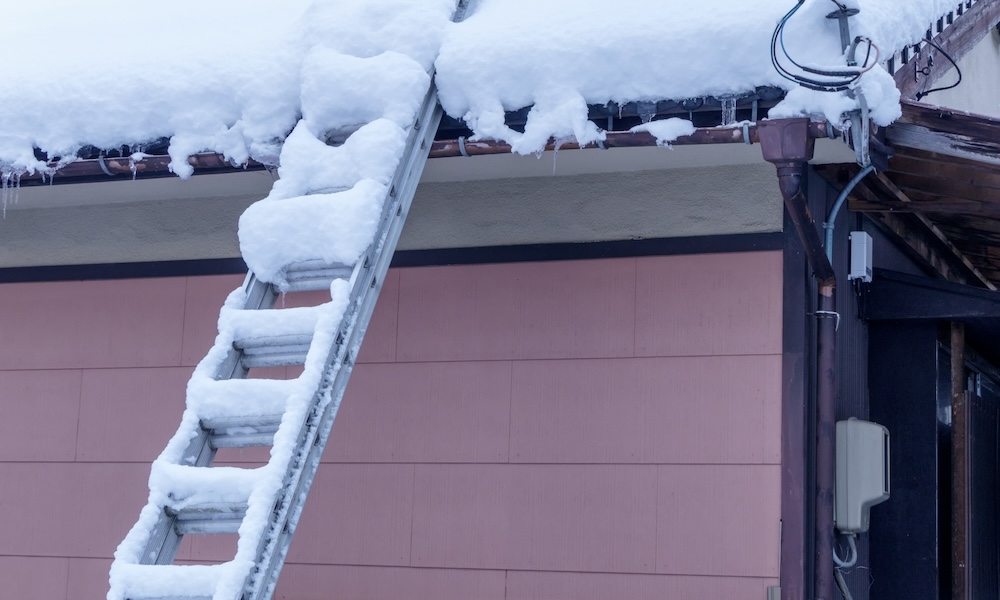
(529, 585)
(496, 312)
(539, 517)
(589, 429)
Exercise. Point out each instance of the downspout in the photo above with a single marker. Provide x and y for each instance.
(786, 143)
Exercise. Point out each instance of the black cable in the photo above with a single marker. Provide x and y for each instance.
(847, 77)
(957, 69)
(803, 81)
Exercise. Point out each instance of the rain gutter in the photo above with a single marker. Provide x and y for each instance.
(88, 170)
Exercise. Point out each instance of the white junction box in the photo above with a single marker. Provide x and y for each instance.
(861, 256)
(862, 472)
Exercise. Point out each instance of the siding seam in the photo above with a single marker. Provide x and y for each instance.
(79, 410)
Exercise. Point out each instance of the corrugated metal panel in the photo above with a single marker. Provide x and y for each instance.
(984, 496)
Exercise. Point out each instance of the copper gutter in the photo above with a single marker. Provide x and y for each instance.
(787, 144)
(97, 169)
(624, 139)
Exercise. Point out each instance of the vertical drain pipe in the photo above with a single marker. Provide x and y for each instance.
(786, 144)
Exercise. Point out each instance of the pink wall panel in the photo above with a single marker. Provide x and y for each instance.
(718, 520)
(88, 578)
(533, 585)
(202, 300)
(128, 415)
(535, 517)
(324, 582)
(24, 578)
(424, 412)
(91, 324)
(67, 509)
(39, 411)
(572, 309)
(640, 478)
(357, 514)
(708, 304)
(655, 410)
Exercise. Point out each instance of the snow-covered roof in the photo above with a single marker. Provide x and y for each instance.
(235, 77)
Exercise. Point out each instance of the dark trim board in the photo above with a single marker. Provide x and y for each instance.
(796, 412)
(753, 242)
(136, 270)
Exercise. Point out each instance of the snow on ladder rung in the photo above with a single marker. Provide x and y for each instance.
(314, 275)
(171, 582)
(275, 337)
(237, 413)
(242, 432)
(274, 351)
(213, 518)
(205, 489)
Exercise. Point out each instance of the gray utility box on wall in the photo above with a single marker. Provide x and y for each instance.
(861, 257)
(862, 472)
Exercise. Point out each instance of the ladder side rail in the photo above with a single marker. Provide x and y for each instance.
(165, 539)
(276, 541)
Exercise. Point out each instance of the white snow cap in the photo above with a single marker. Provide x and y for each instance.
(237, 78)
(558, 57)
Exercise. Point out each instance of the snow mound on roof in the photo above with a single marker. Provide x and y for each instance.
(558, 58)
(234, 76)
(227, 76)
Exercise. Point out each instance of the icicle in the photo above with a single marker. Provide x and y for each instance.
(646, 110)
(6, 176)
(728, 111)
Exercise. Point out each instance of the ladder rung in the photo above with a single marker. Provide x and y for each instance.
(274, 351)
(210, 519)
(203, 489)
(170, 582)
(241, 432)
(314, 275)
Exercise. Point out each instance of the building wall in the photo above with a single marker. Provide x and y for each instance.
(579, 429)
(171, 219)
(979, 89)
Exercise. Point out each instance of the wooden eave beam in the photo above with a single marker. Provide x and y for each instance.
(934, 235)
(931, 165)
(957, 40)
(948, 144)
(927, 243)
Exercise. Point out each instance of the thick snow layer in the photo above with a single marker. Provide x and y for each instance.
(230, 76)
(234, 76)
(557, 58)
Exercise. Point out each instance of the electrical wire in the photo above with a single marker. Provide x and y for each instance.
(845, 77)
(850, 561)
(946, 55)
(852, 558)
(844, 590)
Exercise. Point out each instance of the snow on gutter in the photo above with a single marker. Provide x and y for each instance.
(241, 99)
(126, 168)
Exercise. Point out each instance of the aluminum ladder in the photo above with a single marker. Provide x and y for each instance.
(263, 505)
